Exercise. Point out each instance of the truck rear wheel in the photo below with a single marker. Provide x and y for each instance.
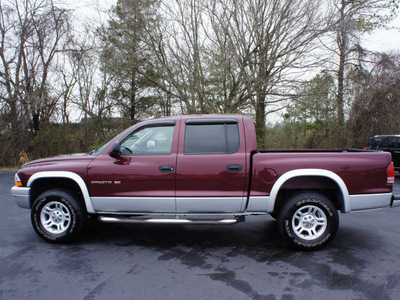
(57, 216)
(308, 221)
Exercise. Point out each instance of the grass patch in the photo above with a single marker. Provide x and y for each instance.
(9, 169)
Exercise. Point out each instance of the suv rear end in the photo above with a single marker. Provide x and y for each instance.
(388, 143)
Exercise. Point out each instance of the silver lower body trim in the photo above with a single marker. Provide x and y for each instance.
(134, 204)
(396, 203)
(21, 195)
(210, 204)
(169, 204)
(258, 204)
(369, 201)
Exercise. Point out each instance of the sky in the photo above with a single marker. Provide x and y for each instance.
(384, 40)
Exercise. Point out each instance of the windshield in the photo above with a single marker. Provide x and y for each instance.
(101, 149)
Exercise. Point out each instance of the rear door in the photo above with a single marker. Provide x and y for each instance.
(211, 166)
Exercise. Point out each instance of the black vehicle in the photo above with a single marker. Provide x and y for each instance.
(389, 143)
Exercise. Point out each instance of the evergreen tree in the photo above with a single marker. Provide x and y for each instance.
(126, 58)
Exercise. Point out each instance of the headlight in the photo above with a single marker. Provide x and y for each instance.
(17, 180)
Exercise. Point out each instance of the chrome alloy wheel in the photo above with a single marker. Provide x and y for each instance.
(55, 217)
(309, 222)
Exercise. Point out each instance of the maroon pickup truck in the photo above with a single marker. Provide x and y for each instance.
(203, 170)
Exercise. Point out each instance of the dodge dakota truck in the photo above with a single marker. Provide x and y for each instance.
(203, 169)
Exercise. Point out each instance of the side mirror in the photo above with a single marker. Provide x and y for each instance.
(115, 151)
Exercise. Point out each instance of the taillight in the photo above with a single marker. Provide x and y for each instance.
(365, 148)
(390, 173)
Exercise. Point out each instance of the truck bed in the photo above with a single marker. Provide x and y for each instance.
(360, 170)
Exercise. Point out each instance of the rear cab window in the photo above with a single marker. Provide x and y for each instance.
(382, 142)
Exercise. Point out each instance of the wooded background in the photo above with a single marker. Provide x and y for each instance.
(296, 66)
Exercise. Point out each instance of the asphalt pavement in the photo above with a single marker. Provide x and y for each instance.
(243, 261)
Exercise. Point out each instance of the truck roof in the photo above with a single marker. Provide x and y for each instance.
(202, 116)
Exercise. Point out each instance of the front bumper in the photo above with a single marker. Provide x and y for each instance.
(395, 200)
(21, 195)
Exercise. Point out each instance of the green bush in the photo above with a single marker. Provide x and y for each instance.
(52, 140)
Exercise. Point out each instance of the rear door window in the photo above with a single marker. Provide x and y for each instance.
(211, 138)
(386, 142)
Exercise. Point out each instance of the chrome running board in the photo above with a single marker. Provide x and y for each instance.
(118, 219)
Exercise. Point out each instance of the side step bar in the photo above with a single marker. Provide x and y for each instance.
(167, 221)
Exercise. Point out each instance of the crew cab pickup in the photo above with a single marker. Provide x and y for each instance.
(203, 169)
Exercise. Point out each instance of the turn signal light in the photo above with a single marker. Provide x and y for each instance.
(17, 181)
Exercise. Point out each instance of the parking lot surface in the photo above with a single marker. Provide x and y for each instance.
(243, 261)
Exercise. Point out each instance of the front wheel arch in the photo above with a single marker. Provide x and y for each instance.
(60, 177)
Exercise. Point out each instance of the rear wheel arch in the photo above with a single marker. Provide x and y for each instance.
(322, 181)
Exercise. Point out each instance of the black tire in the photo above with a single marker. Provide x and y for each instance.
(58, 216)
(308, 221)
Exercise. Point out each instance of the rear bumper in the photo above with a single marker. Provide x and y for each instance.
(370, 201)
(395, 200)
(21, 195)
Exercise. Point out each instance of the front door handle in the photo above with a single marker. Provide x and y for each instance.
(166, 169)
(234, 168)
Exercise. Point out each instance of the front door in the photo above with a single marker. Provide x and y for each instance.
(142, 177)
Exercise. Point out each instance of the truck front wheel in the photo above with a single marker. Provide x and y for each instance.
(57, 216)
(308, 221)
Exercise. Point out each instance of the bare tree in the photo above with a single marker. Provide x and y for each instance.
(376, 98)
(224, 55)
(31, 35)
(85, 83)
(271, 41)
(177, 43)
(350, 20)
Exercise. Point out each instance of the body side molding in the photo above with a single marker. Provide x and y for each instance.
(64, 174)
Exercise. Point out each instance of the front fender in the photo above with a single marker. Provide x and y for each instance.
(70, 175)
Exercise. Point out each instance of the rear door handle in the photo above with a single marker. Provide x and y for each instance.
(166, 169)
(234, 168)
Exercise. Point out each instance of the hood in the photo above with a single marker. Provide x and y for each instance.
(84, 157)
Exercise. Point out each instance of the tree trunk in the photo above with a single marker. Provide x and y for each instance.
(342, 44)
(132, 107)
(340, 100)
(260, 121)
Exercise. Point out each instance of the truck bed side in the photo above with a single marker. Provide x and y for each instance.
(350, 174)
